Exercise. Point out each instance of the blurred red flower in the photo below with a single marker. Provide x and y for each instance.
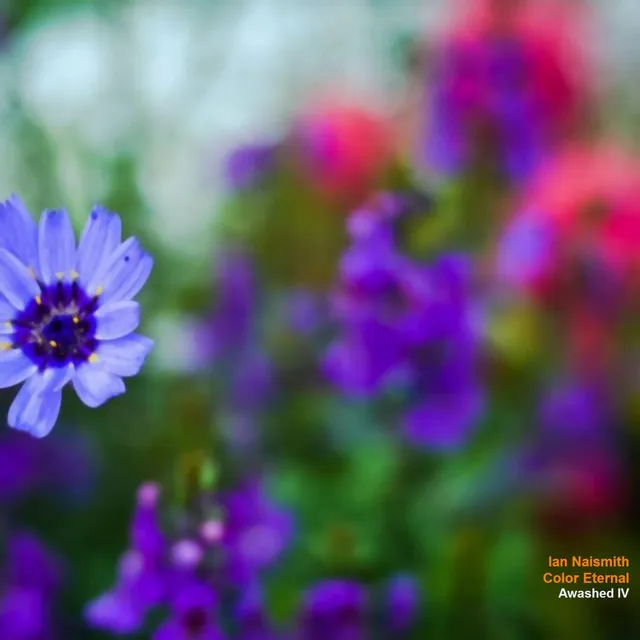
(343, 149)
(574, 243)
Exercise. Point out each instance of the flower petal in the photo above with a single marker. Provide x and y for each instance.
(117, 319)
(130, 283)
(115, 612)
(94, 385)
(16, 283)
(444, 423)
(7, 314)
(14, 368)
(124, 356)
(100, 238)
(57, 246)
(19, 231)
(36, 407)
(122, 274)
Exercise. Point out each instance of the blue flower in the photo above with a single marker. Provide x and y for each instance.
(67, 314)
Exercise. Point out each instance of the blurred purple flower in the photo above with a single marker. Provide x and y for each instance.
(256, 532)
(251, 617)
(31, 566)
(334, 609)
(403, 600)
(526, 251)
(576, 412)
(306, 312)
(59, 463)
(20, 470)
(247, 165)
(232, 323)
(142, 574)
(193, 612)
(31, 581)
(408, 322)
(377, 216)
(252, 381)
(365, 356)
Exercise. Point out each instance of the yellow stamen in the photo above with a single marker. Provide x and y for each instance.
(38, 300)
(9, 325)
(75, 275)
(76, 319)
(93, 358)
(53, 343)
(5, 346)
(99, 290)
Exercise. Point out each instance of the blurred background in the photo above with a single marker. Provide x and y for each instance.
(395, 311)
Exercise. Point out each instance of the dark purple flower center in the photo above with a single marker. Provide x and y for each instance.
(58, 326)
(195, 621)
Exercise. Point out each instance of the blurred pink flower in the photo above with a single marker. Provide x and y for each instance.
(343, 149)
(574, 244)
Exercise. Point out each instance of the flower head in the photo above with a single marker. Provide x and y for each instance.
(67, 313)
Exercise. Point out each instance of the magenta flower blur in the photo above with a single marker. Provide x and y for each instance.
(506, 86)
(67, 313)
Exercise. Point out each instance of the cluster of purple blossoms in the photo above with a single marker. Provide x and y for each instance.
(67, 314)
(405, 322)
(30, 583)
(214, 574)
(223, 555)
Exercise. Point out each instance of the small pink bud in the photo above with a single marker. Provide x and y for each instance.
(212, 531)
(148, 494)
(187, 554)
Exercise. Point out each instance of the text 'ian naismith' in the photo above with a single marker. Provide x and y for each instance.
(589, 561)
